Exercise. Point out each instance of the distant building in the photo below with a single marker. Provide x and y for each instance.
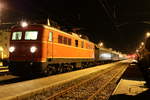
(4, 40)
(4, 44)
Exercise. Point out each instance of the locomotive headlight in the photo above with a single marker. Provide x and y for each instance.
(33, 49)
(12, 49)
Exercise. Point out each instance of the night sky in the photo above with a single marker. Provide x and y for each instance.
(117, 23)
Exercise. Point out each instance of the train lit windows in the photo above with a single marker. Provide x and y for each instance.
(82, 44)
(65, 40)
(76, 43)
(16, 35)
(50, 36)
(69, 41)
(60, 39)
(31, 35)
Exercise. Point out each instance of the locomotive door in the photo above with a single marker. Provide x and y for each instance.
(50, 46)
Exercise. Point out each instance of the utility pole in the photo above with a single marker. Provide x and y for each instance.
(1, 6)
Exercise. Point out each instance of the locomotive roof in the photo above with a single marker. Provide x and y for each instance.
(52, 28)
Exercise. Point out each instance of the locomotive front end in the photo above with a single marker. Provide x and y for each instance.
(25, 51)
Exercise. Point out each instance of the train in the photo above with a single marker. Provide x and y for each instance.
(39, 49)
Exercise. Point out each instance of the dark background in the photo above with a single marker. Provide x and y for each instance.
(120, 24)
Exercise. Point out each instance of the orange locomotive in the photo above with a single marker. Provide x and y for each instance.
(40, 49)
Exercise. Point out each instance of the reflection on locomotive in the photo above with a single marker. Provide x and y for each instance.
(41, 49)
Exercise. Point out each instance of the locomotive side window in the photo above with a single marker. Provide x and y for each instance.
(50, 36)
(31, 35)
(76, 43)
(69, 41)
(65, 40)
(60, 39)
(16, 35)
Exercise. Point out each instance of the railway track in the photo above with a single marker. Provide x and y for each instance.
(90, 89)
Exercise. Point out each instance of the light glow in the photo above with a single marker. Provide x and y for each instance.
(33, 49)
(142, 43)
(12, 49)
(1, 49)
(147, 34)
(24, 24)
(101, 44)
(105, 56)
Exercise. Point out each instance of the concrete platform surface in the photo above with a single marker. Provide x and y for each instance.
(131, 86)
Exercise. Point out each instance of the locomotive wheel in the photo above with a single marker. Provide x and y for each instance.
(48, 71)
(60, 69)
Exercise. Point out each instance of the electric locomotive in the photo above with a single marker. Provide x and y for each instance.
(41, 49)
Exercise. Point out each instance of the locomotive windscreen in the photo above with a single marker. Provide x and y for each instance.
(29, 35)
(16, 35)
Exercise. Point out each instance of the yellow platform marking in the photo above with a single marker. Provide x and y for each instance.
(3, 67)
(6, 70)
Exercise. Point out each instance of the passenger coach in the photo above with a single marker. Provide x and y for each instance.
(43, 49)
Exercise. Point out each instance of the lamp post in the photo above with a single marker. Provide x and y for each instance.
(0, 12)
(1, 7)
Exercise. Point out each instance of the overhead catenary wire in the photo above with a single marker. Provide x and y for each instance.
(109, 12)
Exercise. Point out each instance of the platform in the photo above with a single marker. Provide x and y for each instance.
(131, 86)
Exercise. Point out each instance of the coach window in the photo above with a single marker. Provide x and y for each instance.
(60, 39)
(16, 35)
(82, 44)
(76, 43)
(50, 36)
(31, 35)
(69, 41)
(65, 40)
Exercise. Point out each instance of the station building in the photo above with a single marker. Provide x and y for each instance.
(4, 40)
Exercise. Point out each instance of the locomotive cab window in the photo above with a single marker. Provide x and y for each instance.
(31, 35)
(50, 36)
(16, 35)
